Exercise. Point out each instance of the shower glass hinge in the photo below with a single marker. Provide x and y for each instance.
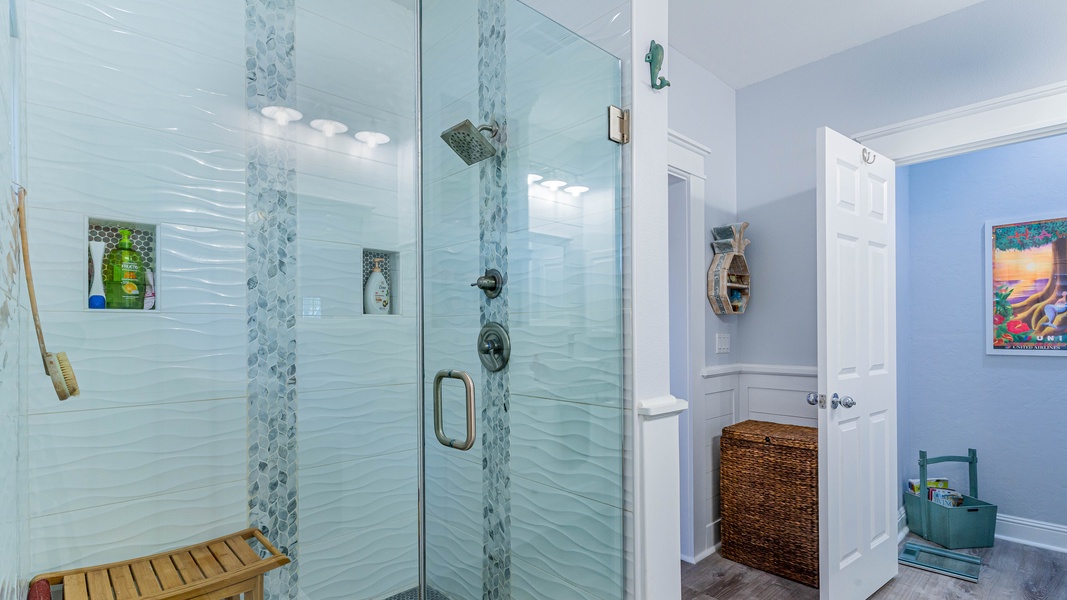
(618, 125)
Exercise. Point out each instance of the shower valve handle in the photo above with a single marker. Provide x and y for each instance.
(491, 283)
(486, 283)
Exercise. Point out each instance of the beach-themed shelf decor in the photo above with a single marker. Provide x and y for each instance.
(728, 279)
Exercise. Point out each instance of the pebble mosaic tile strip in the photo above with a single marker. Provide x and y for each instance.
(493, 229)
(271, 236)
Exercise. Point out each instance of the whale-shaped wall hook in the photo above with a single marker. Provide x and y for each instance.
(654, 58)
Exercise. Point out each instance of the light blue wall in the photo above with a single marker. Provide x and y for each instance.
(991, 49)
(1009, 408)
(703, 108)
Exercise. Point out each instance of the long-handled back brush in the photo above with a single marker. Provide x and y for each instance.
(55, 365)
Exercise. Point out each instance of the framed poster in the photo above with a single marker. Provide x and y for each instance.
(1026, 287)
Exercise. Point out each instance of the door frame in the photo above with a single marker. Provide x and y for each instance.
(686, 161)
(1027, 115)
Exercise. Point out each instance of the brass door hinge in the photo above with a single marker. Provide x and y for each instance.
(618, 125)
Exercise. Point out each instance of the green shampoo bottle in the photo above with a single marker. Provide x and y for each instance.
(124, 277)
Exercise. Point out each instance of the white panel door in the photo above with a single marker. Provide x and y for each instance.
(857, 363)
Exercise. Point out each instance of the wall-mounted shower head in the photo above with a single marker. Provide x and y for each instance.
(467, 141)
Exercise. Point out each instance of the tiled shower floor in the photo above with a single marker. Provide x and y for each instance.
(413, 594)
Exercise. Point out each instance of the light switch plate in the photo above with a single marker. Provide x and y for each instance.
(722, 343)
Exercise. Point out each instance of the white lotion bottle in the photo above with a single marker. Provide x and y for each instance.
(376, 293)
(96, 291)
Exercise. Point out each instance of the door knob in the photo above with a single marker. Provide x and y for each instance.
(813, 398)
(847, 402)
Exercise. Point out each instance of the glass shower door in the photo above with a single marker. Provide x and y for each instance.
(534, 507)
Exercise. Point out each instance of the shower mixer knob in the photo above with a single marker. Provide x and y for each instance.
(494, 347)
(491, 283)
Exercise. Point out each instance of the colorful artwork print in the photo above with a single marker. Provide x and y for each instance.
(1030, 286)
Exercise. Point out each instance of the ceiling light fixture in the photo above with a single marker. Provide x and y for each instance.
(553, 184)
(329, 127)
(282, 115)
(576, 190)
(372, 138)
(533, 178)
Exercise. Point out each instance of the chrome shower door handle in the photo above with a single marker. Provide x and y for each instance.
(438, 416)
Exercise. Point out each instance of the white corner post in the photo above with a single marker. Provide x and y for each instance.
(656, 566)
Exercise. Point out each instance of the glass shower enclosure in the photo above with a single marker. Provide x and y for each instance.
(459, 436)
(534, 508)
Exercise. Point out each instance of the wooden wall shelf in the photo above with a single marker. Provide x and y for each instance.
(729, 283)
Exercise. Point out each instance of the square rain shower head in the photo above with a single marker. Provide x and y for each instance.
(467, 141)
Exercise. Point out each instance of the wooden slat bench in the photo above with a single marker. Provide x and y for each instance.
(226, 567)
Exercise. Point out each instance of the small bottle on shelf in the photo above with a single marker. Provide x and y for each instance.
(376, 294)
(124, 276)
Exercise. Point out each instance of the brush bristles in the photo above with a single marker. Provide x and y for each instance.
(68, 374)
(62, 375)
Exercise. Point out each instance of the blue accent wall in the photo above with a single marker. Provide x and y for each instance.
(953, 396)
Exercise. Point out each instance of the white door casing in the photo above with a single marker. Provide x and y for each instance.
(857, 359)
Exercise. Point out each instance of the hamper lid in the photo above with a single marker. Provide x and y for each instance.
(777, 434)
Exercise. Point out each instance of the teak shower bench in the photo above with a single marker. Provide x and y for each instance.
(226, 567)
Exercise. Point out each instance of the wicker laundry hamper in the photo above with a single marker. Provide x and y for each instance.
(770, 498)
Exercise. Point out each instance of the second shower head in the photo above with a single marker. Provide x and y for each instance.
(467, 141)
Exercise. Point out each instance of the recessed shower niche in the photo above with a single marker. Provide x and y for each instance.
(104, 235)
(380, 295)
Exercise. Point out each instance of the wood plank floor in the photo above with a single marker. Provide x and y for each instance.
(1009, 572)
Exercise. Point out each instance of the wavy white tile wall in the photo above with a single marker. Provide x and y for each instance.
(574, 539)
(144, 450)
(576, 447)
(453, 520)
(11, 434)
(130, 120)
(12, 412)
(138, 359)
(210, 19)
(113, 532)
(337, 354)
(567, 414)
(87, 164)
(357, 374)
(344, 425)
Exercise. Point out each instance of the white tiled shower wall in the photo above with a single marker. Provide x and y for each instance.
(12, 411)
(128, 119)
(357, 373)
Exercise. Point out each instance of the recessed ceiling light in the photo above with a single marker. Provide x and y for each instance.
(553, 184)
(533, 178)
(372, 138)
(329, 127)
(282, 115)
(576, 190)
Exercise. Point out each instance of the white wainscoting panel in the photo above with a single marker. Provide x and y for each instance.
(708, 415)
(735, 393)
(778, 397)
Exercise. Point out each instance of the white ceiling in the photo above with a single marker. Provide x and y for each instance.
(746, 41)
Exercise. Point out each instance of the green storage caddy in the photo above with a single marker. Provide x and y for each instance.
(969, 526)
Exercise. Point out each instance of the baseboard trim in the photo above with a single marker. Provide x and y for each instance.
(699, 557)
(1039, 534)
(759, 369)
